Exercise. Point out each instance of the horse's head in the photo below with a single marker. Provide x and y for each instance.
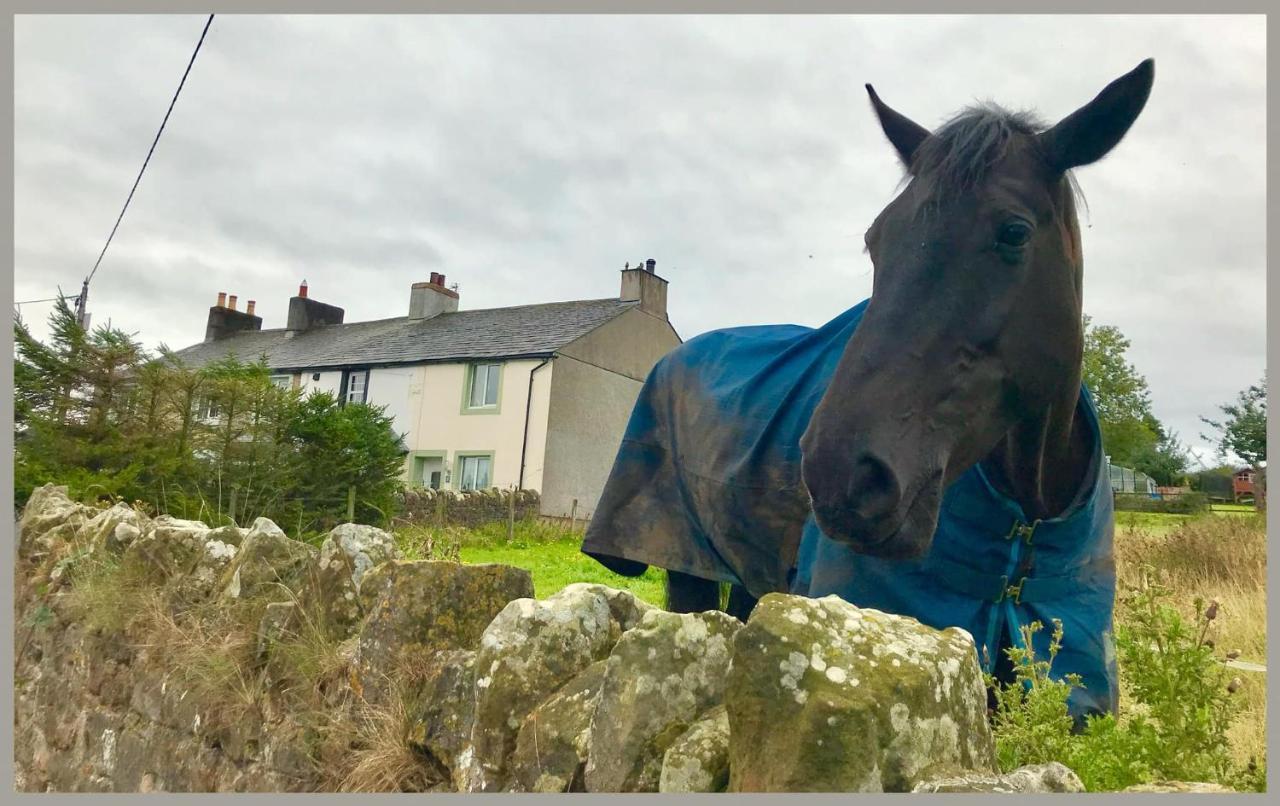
(975, 314)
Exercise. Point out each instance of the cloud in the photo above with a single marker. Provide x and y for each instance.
(529, 157)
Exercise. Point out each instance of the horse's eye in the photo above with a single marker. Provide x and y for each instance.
(1015, 233)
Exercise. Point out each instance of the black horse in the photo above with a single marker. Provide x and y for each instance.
(967, 354)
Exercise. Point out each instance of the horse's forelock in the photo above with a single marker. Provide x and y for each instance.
(962, 151)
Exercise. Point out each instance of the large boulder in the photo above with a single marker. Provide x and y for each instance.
(826, 697)
(660, 677)
(1032, 779)
(528, 651)
(551, 749)
(424, 607)
(698, 761)
(267, 560)
(347, 555)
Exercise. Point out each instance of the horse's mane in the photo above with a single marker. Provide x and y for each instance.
(960, 152)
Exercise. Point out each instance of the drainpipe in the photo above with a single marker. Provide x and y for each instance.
(528, 405)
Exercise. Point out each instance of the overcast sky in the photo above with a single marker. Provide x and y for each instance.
(528, 158)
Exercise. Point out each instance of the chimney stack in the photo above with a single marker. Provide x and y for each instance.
(224, 320)
(645, 286)
(306, 313)
(431, 298)
(249, 308)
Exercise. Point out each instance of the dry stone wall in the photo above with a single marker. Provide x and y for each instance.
(488, 688)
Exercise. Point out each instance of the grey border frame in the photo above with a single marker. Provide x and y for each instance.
(578, 6)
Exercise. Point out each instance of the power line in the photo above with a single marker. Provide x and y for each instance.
(85, 290)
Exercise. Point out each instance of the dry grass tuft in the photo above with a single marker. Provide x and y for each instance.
(1223, 558)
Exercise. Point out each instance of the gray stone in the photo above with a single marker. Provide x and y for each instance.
(1190, 787)
(443, 727)
(267, 563)
(347, 555)
(100, 531)
(826, 697)
(698, 761)
(529, 650)
(424, 607)
(660, 677)
(551, 749)
(1032, 779)
(47, 509)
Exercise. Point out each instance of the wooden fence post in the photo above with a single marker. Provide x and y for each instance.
(351, 504)
(511, 515)
(573, 516)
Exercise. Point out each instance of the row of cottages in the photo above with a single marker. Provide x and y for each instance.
(532, 397)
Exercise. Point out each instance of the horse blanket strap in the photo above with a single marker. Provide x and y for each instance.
(993, 588)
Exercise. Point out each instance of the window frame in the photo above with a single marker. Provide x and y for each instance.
(470, 376)
(347, 376)
(460, 465)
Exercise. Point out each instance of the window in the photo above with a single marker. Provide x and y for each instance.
(474, 472)
(484, 386)
(209, 409)
(282, 381)
(357, 386)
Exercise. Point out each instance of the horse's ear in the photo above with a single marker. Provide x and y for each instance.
(905, 134)
(1087, 134)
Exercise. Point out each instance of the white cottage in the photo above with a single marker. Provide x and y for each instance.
(534, 396)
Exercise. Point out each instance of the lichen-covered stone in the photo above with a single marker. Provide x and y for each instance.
(100, 531)
(551, 748)
(50, 508)
(266, 560)
(1032, 779)
(1190, 787)
(165, 551)
(526, 653)
(698, 761)
(443, 726)
(347, 555)
(660, 676)
(824, 696)
(425, 607)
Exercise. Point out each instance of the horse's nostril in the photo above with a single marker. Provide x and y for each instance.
(873, 488)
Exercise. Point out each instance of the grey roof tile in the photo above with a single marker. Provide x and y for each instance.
(525, 330)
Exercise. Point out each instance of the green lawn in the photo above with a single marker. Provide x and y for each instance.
(553, 557)
(557, 563)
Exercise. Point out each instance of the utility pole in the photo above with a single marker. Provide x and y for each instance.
(82, 302)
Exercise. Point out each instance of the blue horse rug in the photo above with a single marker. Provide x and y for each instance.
(707, 482)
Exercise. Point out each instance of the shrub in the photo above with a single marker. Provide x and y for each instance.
(1176, 729)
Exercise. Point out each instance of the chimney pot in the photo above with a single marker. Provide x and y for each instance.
(441, 283)
(435, 278)
(222, 299)
(249, 307)
(650, 264)
(231, 302)
(302, 289)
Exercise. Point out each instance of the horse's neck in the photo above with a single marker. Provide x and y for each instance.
(1042, 461)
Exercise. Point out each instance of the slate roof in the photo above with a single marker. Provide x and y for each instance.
(525, 331)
